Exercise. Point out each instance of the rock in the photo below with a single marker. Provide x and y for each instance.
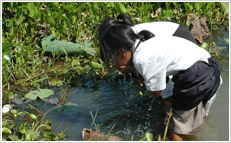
(6, 108)
(89, 135)
(54, 100)
(198, 27)
(18, 100)
(114, 138)
(7, 58)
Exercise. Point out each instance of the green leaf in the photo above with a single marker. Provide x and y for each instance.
(188, 7)
(31, 8)
(31, 135)
(55, 5)
(13, 137)
(56, 82)
(3, 39)
(22, 128)
(14, 112)
(149, 136)
(225, 7)
(202, 5)
(12, 95)
(210, 6)
(61, 135)
(80, 7)
(47, 133)
(67, 21)
(197, 6)
(204, 45)
(175, 4)
(167, 5)
(75, 63)
(41, 93)
(51, 20)
(72, 7)
(12, 27)
(96, 65)
(33, 116)
(4, 123)
(226, 40)
(146, 19)
(6, 130)
(120, 8)
(20, 20)
(143, 139)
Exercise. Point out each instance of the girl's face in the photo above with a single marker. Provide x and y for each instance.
(124, 62)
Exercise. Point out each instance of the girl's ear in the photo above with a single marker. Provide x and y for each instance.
(121, 54)
(124, 54)
(127, 54)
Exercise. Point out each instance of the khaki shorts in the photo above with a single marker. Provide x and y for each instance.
(190, 122)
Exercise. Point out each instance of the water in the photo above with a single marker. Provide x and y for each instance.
(216, 126)
(119, 104)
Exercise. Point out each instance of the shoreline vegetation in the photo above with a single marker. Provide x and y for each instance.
(27, 68)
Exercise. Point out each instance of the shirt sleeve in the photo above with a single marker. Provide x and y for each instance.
(154, 75)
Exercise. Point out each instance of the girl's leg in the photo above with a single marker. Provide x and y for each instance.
(177, 137)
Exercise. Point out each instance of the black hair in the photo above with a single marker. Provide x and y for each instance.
(125, 19)
(121, 19)
(116, 36)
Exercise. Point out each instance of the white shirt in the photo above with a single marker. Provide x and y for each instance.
(162, 56)
(158, 28)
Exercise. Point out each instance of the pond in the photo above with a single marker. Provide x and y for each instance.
(121, 110)
(118, 104)
(216, 126)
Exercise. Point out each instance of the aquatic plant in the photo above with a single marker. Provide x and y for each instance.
(26, 24)
(27, 66)
(24, 126)
(40, 93)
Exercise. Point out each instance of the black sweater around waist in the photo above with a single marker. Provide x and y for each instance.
(198, 83)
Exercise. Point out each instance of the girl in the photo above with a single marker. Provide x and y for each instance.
(196, 75)
(156, 29)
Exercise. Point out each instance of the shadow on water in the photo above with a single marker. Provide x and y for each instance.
(118, 103)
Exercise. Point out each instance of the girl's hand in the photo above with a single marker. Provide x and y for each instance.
(141, 83)
(139, 80)
(157, 93)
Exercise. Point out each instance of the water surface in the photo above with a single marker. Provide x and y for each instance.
(119, 104)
